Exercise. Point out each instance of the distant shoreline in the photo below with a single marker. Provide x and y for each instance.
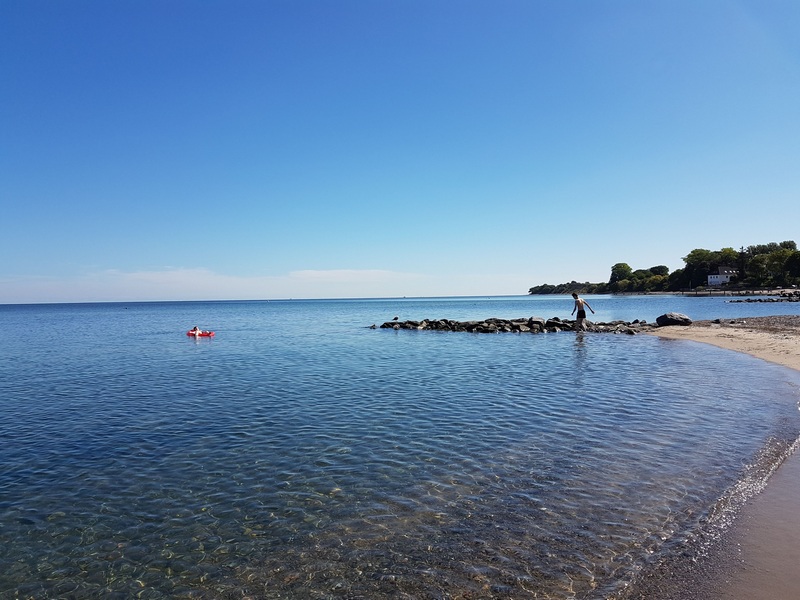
(700, 293)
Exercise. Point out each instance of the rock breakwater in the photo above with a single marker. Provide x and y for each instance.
(520, 325)
(783, 297)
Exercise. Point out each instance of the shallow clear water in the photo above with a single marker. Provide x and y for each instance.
(300, 454)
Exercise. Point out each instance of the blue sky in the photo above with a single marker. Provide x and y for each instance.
(186, 150)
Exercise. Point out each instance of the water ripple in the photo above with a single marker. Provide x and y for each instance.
(420, 465)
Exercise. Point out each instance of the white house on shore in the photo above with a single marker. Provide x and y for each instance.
(723, 275)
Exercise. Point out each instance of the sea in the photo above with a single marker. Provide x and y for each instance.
(300, 453)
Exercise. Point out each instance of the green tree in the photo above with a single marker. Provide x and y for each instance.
(758, 265)
(792, 266)
(699, 263)
(766, 264)
(545, 288)
(678, 280)
(619, 272)
(757, 271)
(660, 270)
(656, 283)
(776, 266)
(727, 257)
(763, 248)
(741, 264)
(623, 285)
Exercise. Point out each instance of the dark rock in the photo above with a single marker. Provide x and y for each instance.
(520, 325)
(673, 318)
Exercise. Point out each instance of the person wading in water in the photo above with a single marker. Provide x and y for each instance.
(580, 303)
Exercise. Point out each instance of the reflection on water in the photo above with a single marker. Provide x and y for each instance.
(368, 464)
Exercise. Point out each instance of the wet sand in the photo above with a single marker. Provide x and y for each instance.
(761, 552)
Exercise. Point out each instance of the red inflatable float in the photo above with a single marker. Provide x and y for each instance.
(198, 333)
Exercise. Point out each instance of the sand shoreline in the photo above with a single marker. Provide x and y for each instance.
(762, 549)
(774, 339)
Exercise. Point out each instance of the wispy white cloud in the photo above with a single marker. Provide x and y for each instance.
(204, 284)
(353, 276)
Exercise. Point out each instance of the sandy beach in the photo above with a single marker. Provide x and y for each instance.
(762, 549)
(774, 339)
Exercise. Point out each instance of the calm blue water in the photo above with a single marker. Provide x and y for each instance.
(300, 454)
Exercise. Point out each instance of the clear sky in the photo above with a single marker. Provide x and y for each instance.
(258, 149)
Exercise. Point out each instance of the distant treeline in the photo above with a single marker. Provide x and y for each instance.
(760, 266)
